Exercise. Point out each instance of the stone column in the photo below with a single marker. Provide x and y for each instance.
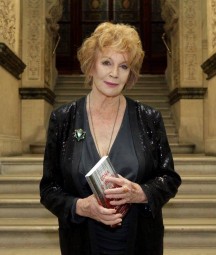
(10, 140)
(39, 21)
(185, 74)
(209, 67)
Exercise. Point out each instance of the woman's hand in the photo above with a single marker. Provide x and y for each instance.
(89, 207)
(127, 192)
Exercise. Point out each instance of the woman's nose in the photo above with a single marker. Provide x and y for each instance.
(114, 72)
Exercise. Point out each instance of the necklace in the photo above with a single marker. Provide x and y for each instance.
(108, 149)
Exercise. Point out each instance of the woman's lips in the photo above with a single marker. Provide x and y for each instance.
(110, 83)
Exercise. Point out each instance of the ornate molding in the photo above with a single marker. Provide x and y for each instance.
(54, 11)
(169, 14)
(10, 61)
(191, 33)
(209, 67)
(186, 93)
(33, 25)
(213, 8)
(7, 22)
(38, 93)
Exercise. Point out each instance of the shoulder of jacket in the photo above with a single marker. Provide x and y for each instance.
(144, 109)
(66, 109)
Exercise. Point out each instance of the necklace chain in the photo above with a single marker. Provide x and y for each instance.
(108, 149)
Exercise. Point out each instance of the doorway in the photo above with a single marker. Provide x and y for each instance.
(80, 17)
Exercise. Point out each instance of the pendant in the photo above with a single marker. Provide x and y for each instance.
(79, 134)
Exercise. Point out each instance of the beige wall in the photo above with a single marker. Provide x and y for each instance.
(35, 116)
(10, 142)
(191, 122)
(191, 28)
(210, 118)
(39, 29)
(10, 103)
(210, 100)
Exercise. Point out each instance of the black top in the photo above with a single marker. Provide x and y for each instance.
(123, 157)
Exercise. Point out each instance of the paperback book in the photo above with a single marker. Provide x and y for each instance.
(96, 180)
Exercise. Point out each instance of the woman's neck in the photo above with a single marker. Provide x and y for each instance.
(103, 103)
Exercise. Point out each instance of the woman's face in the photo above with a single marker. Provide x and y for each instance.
(110, 72)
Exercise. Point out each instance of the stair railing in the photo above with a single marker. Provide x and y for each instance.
(57, 43)
(165, 43)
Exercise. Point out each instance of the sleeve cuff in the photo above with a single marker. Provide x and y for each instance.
(75, 218)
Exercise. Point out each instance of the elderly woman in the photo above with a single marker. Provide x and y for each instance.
(131, 134)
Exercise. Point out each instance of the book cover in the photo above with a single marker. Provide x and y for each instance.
(96, 180)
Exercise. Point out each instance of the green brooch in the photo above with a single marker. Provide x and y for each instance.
(79, 134)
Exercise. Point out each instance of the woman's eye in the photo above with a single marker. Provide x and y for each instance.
(125, 67)
(106, 63)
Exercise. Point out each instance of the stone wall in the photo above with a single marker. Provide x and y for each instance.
(10, 104)
(184, 29)
(28, 32)
(209, 67)
(40, 31)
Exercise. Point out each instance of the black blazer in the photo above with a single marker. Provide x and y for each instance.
(60, 188)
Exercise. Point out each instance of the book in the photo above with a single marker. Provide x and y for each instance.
(96, 180)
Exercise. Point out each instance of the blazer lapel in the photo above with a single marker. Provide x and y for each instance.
(74, 145)
(137, 138)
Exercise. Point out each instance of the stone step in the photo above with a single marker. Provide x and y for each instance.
(182, 148)
(40, 233)
(205, 185)
(30, 251)
(173, 138)
(190, 233)
(190, 206)
(168, 120)
(190, 251)
(25, 165)
(30, 185)
(56, 251)
(23, 207)
(195, 164)
(32, 164)
(170, 128)
(28, 233)
(19, 184)
(28, 205)
(37, 148)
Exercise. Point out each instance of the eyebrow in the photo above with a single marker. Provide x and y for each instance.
(124, 62)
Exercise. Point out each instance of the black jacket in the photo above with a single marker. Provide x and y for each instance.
(60, 187)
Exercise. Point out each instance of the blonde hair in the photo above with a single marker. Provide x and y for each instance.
(120, 37)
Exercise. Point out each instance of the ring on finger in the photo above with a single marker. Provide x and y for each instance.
(125, 189)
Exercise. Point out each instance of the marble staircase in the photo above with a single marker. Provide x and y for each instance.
(26, 227)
